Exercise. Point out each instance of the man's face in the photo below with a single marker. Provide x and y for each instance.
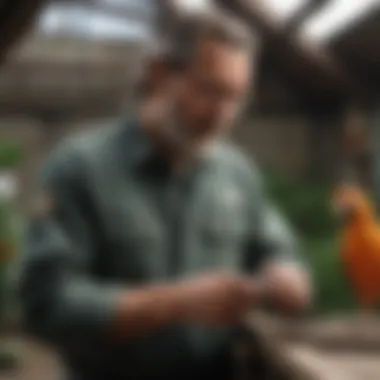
(206, 97)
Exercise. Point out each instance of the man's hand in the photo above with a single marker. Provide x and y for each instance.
(286, 286)
(213, 299)
(218, 299)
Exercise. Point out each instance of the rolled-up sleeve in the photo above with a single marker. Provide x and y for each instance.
(278, 237)
(59, 298)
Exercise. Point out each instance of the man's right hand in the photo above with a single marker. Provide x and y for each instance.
(217, 299)
(214, 300)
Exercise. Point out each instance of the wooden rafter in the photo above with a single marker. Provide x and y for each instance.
(16, 16)
(313, 67)
(303, 13)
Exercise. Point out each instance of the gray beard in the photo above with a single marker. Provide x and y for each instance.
(185, 143)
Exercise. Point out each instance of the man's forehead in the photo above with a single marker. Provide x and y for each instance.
(225, 62)
(210, 48)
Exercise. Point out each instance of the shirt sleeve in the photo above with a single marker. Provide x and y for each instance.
(59, 298)
(271, 237)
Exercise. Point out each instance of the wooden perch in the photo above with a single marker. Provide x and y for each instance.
(340, 333)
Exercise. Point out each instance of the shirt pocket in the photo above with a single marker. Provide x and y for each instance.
(224, 219)
(223, 236)
(220, 232)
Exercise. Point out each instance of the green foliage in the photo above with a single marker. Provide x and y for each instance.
(332, 290)
(4, 219)
(307, 206)
(11, 154)
(7, 221)
(9, 238)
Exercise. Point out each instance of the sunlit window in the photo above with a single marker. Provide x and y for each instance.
(334, 17)
(283, 9)
(102, 19)
(339, 15)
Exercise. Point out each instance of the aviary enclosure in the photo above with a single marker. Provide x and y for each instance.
(303, 91)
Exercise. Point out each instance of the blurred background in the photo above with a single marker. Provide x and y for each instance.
(313, 114)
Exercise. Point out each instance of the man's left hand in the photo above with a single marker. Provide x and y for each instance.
(286, 286)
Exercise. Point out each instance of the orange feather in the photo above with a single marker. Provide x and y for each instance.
(360, 246)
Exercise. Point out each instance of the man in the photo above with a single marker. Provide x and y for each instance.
(151, 244)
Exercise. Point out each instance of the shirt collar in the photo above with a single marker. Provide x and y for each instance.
(144, 156)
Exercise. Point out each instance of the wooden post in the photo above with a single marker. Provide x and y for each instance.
(354, 144)
(16, 17)
(305, 62)
(374, 147)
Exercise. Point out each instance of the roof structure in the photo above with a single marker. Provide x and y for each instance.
(67, 77)
(16, 16)
(312, 68)
(321, 74)
(358, 48)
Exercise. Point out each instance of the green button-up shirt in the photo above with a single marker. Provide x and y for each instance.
(118, 219)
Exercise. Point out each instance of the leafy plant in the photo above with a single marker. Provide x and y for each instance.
(11, 153)
(332, 290)
(307, 206)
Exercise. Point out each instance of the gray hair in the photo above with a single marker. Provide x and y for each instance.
(179, 47)
(176, 43)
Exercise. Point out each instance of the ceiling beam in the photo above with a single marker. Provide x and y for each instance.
(311, 66)
(16, 17)
(310, 7)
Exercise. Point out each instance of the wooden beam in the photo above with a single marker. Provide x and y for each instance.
(305, 12)
(346, 334)
(89, 108)
(307, 64)
(375, 154)
(16, 17)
